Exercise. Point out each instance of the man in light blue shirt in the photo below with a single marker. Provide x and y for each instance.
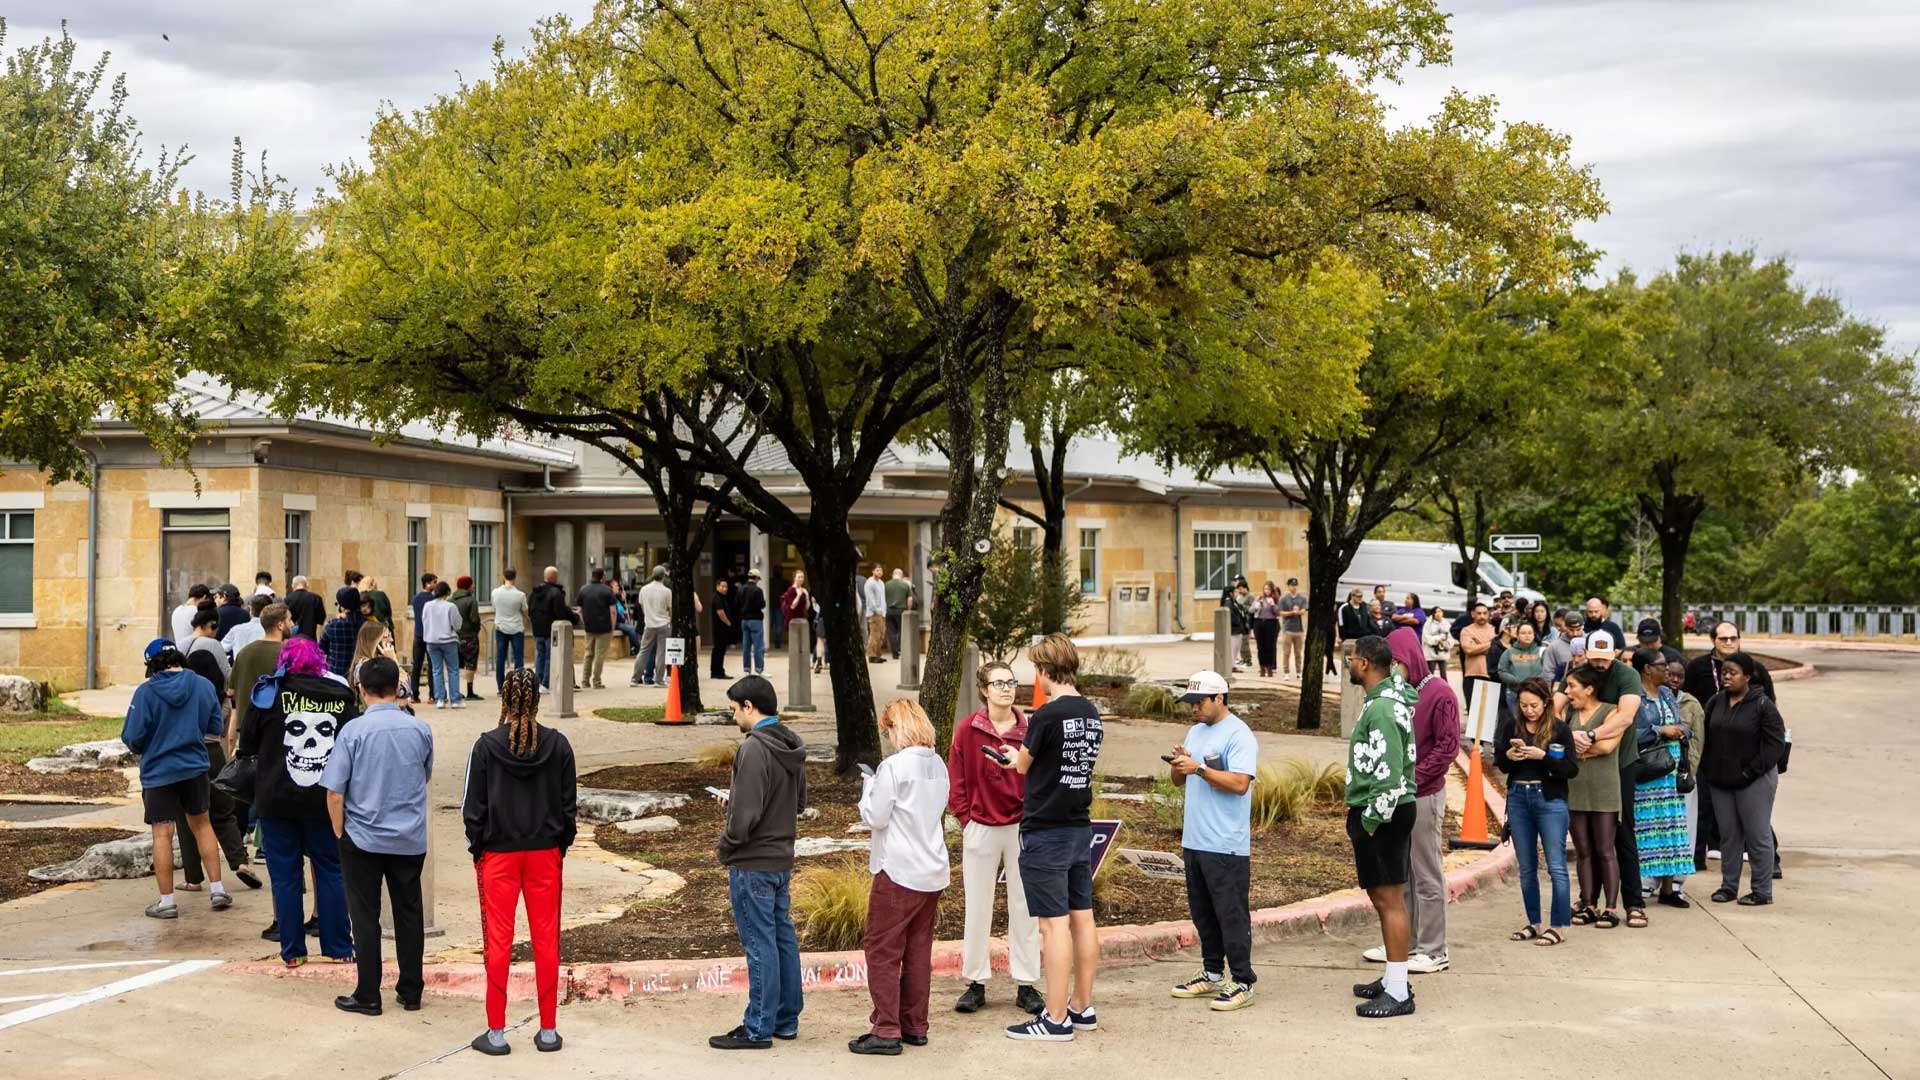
(1217, 762)
(376, 781)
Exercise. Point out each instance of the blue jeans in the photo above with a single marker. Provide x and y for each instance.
(1539, 822)
(444, 658)
(753, 645)
(501, 643)
(287, 840)
(632, 633)
(762, 914)
(542, 650)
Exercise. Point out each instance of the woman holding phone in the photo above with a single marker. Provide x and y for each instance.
(1537, 754)
(986, 799)
(1593, 800)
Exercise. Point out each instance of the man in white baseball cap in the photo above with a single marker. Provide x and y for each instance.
(1217, 763)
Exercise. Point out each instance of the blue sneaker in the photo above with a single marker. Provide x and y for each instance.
(1082, 1021)
(1043, 1029)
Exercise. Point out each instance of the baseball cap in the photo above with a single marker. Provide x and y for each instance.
(1599, 643)
(1202, 685)
(1648, 630)
(754, 574)
(347, 597)
(159, 645)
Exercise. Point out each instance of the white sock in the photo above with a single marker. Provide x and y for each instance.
(1395, 980)
(549, 1032)
(497, 1036)
(166, 899)
(217, 887)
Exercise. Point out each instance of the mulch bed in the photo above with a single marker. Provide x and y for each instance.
(1274, 710)
(1294, 861)
(20, 780)
(22, 850)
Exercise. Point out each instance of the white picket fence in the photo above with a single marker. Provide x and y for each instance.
(1793, 620)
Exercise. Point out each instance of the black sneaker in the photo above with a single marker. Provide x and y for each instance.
(1029, 1001)
(1754, 900)
(874, 1044)
(1042, 1029)
(272, 932)
(1082, 1021)
(1370, 990)
(349, 1003)
(914, 1040)
(974, 998)
(1385, 1006)
(737, 1040)
(486, 1046)
(312, 928)
(544, 1044)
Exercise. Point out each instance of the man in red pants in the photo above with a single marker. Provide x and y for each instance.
(519, 813)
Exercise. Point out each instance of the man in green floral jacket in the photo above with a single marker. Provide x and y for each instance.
(1380, 815)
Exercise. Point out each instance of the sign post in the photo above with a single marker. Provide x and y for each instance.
(1512, 545)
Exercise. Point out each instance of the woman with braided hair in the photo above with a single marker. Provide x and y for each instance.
(519, 812)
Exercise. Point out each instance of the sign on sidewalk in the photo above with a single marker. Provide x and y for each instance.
(1103, 834)
(1155, 864)
(676, 651)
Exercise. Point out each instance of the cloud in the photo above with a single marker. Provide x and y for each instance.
(1790, 127)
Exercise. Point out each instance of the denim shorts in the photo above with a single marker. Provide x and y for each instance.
(1056, 870)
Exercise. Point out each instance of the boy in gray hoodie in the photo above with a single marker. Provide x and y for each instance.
(763, 811)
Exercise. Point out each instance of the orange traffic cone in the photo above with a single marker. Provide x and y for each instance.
(1473, 819)
(673, 697)
(1039, 692)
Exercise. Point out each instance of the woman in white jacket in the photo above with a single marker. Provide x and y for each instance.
(1437, 641)
(903, 803)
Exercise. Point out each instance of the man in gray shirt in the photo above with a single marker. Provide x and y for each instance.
(1293, 631)
(509, 626)
(376, 781)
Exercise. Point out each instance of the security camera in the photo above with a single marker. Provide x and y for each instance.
(260, 448)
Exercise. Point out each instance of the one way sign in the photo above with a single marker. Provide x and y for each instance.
(1514, 543)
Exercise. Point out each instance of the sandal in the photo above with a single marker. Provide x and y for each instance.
(1550, 938)
(1525, 933)
(1606, 920)
(1584, 917)
(1637, 919)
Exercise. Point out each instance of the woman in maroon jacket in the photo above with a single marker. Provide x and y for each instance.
(796, 605)
(1436, 740)
(986, 799)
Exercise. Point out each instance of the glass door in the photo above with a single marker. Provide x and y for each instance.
(195, 549)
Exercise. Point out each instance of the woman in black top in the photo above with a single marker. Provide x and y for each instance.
(1537, 754)
(1739, 768)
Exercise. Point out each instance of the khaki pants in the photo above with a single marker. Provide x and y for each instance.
(598, 646)
(984, 850)
(1293, 652)
(1427, 891)
(876, 637)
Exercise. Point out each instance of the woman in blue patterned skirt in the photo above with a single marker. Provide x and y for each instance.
(1659, 810)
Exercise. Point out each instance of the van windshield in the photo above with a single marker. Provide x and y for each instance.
(1494, 574)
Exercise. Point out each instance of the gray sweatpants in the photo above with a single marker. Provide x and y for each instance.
(1427, 891)
(1745, 818)
(652, 638)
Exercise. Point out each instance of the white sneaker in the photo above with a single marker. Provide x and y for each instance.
(1377, 954)
(1422, 964)
(1715, 855)
(458, 705)
(439, 704)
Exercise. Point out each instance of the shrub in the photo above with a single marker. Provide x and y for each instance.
(1015, 596)
(1280, 794)
(1110, 666)
(1169, 803)
(830, 904)
(1116, 885)
(1153, 699)
(1329, 781)
(717, 755)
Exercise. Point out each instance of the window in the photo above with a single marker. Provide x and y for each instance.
(16, 562)
(1026, 536)
(1218, 557)
(194, 550)
(480, 553)
(1089, 560)
(416, 543)
(296, 546)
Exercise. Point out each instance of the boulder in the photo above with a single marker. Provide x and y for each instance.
(809, 846)
(858, 829)
(85, 757)
(661, 823)
(607, 805)
(128, 858)
(810, 813)
(19, 694)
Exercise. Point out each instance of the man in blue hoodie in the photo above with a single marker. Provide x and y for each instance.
(167, 725)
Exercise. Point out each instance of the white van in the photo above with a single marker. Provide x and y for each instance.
(1433, 571)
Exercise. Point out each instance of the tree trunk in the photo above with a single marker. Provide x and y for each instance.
(1323, 587)
(685, 621)
(831, 554)
(1674, 524)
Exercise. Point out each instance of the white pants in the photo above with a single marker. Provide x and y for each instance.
(984, 849)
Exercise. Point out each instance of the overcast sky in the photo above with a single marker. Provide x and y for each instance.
(1787, 126)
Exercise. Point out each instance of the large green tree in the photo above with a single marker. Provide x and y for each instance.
(1755, 384)
(112, 279)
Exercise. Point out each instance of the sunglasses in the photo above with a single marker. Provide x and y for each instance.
(1003, 684)
(1727, 637)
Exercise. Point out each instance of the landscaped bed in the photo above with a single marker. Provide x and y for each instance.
(31, 735)
(22, 850)
(1294, 860)
(1275, 709)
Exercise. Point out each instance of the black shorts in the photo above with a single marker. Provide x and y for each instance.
(166, 803)
(1381, 859)
(1056, 870)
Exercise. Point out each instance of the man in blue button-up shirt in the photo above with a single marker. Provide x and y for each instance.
(376, 781)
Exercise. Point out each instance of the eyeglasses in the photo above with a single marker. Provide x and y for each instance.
(1727, 637)
(1003, 684)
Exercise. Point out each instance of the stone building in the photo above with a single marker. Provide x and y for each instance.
(317, 496)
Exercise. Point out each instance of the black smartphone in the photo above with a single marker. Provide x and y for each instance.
(995, 755)
(1168, 758)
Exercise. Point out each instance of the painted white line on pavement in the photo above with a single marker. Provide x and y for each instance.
(32, 997)
(83, 967)
(99, 993)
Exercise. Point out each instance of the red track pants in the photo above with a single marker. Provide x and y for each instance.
(504, 876)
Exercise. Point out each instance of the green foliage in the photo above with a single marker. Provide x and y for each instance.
(1283, 791)
(717, 755)
(1111, 665)
(1153, 700)
(1857, 543)
(42, 734)
(634, 714)
(112, 280)
(1117, 885)
(830, 904)
(1014, 598)
(1168, 803)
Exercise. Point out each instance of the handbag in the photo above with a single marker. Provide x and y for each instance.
(1655, 762)
(1683, 779)
(236, 777)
